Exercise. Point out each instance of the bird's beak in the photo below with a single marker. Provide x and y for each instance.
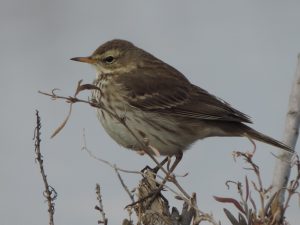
(88, 59)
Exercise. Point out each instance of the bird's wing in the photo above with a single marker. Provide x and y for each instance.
(171, 93)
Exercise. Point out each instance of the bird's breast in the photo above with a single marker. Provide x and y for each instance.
(110, 92)
(112, 107)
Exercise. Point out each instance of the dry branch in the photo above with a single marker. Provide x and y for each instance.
(283, 163)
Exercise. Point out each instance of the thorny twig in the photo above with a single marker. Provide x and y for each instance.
(50, 194)
(100, 207)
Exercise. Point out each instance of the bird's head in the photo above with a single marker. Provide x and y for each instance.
(116, 56)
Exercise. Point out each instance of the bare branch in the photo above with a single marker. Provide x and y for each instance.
(283, 162)
(123, 184)
(283, 167)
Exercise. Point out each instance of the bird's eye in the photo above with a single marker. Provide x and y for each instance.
(109, 59)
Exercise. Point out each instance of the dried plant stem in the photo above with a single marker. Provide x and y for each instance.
(50, 194)
(100, 207)
(124, 185)
(260, 188)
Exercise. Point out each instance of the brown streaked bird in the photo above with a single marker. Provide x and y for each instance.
(159, 103)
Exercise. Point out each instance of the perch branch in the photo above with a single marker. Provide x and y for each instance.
(71, 100)
(74, 99)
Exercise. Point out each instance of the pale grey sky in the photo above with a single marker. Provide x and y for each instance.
(242, 51)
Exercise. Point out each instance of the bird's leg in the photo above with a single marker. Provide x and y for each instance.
(161, 164)
(178, 158)
(169, 162)
(156, 192)
(158, 167)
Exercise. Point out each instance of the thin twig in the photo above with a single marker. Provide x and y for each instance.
(49, 193)
(91, 154)
(131, 196)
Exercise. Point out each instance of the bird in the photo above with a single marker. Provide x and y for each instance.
(159, 105)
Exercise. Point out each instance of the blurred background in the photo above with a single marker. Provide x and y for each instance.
(243, 51)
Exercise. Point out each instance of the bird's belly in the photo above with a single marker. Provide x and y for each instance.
(116, 129)
(162, 134)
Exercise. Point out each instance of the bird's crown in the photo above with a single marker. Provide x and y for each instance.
(114, 45)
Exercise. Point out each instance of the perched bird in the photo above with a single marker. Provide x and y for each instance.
(159, 103)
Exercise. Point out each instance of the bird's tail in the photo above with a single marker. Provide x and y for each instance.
(253, 134)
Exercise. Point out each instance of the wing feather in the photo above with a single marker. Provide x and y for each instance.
(169, 92)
